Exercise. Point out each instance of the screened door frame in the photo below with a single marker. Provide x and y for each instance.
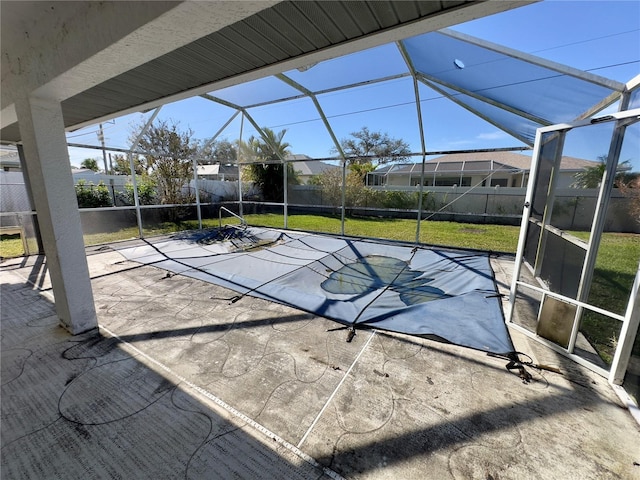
(631, 318)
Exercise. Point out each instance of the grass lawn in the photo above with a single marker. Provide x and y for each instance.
(495, 238)
(11, 246)
(613, 277)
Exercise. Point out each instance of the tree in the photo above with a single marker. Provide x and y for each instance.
(361, 170)
(375, 148)
(121, 165)
(355, 194)
(627, 181)
(90, 164)
(268, 176)
(217, 152)
(591, 177)
(170, 159)
(631, 189)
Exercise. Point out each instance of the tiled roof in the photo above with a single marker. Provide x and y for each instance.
(515, 160)
(481, 162)
(303, 165)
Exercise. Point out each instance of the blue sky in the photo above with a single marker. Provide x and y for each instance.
(601, 37)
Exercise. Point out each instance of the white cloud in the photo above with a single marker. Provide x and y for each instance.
(456, 143)
(495, 135)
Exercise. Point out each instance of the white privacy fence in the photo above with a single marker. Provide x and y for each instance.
(572, 206)
(572, 209)
(13, 193)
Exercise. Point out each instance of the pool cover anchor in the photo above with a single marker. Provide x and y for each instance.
(516, 364)
(350, 334)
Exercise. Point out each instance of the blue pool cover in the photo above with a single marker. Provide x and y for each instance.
(359, 283)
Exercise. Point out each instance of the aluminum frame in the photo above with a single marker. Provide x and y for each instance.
(631, 319)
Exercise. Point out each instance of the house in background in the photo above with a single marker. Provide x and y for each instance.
(306, 168)
(9, 159)
(487, 169)
(223, 172)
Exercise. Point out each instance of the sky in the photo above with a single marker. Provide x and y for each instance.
(599, 37)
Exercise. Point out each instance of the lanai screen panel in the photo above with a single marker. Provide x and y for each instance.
(520, 127)
(530, 88)
(419, 291)
(256, 92)
(364, 66)
(516, 92)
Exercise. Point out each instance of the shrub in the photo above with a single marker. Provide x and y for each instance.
(92, 196)
(146, 191)
(399, 200)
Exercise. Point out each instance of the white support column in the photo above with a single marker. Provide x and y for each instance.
(49, 172)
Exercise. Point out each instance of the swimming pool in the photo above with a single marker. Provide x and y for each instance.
(360, 283)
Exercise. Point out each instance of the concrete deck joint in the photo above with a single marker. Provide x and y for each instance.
(335, 391)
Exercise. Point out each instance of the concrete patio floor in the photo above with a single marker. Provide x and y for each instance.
(178, 383)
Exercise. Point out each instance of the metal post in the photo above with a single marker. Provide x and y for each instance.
(285, 180)
(631, 322)
(344, 186)
(424, 158)
(327, 125)
(416, 92)
(549, 203)
(240, 167)
(280, 157)
(195, 181)
(136, 200)
(238, 110)
(134, 145)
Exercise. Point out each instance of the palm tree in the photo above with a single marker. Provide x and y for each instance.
(591, 177)
(90, 164)
(266, 175)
